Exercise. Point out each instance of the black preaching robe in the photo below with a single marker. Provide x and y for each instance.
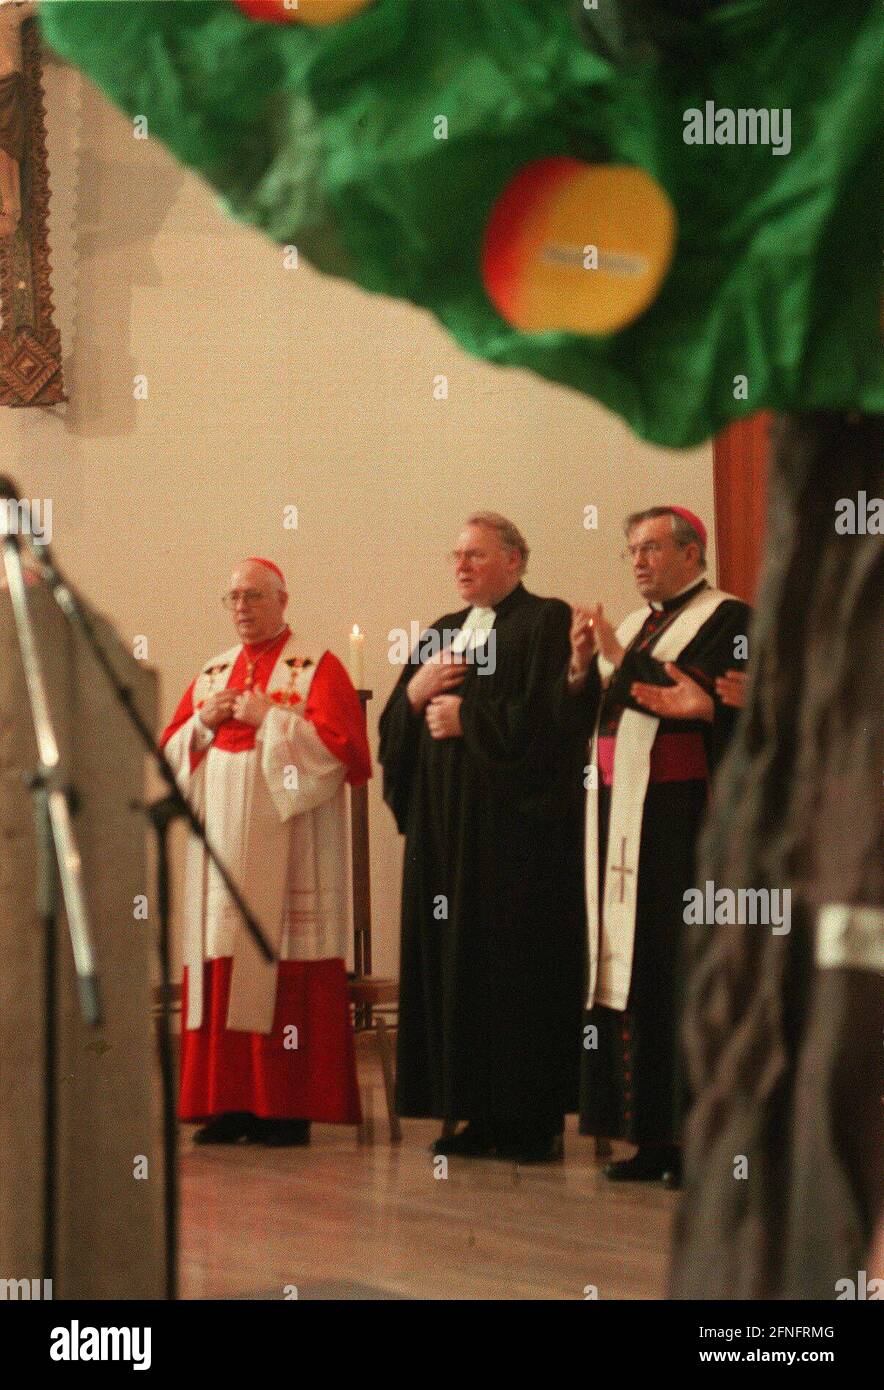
(632, 1083)
(491, 994)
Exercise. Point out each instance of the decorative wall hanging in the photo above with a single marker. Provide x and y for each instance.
(30, 344)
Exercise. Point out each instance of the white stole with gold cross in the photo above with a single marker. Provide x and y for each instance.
(612, 930)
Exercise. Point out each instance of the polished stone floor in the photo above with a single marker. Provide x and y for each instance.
(351, 1217)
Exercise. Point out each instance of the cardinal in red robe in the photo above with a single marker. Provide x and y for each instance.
(263, 742)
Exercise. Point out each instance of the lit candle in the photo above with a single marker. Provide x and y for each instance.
(357, 658)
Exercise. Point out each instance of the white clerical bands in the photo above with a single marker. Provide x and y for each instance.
(850, 938)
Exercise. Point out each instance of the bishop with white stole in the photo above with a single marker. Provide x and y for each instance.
(262, 743)
(655, 700)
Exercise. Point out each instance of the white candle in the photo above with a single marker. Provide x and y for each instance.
(357, 658)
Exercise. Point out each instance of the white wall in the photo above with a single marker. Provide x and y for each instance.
(271, 387)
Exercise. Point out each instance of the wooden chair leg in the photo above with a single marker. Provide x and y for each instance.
(383, 1038)
(365, 1130)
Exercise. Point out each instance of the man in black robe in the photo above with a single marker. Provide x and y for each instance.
(480, 783)
(658, 695)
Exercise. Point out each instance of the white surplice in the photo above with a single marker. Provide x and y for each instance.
(276, 814)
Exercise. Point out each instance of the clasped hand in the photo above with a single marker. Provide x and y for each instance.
(248, 706)
(428, 693)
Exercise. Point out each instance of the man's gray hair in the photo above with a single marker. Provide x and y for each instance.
(683, 532)
(508, 533)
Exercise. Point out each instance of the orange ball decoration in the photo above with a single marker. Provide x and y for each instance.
(315, 12)
(582, 248)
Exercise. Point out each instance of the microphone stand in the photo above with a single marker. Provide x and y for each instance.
(160, 814)
(173, 805)
(59, 863)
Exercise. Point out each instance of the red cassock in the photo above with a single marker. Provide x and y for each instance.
(226, 1068)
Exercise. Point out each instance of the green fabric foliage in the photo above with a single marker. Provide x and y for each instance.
(324, 138)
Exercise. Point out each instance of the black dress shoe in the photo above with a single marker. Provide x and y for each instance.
(474, 1141)
(226, 1129)
(281, 1134)
(648, 1165)
(547, 1150)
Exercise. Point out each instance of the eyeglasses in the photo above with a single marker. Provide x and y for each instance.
(474, 557)
(249, 597)
(646, 548)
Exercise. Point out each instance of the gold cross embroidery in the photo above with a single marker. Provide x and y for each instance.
(621, 869)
